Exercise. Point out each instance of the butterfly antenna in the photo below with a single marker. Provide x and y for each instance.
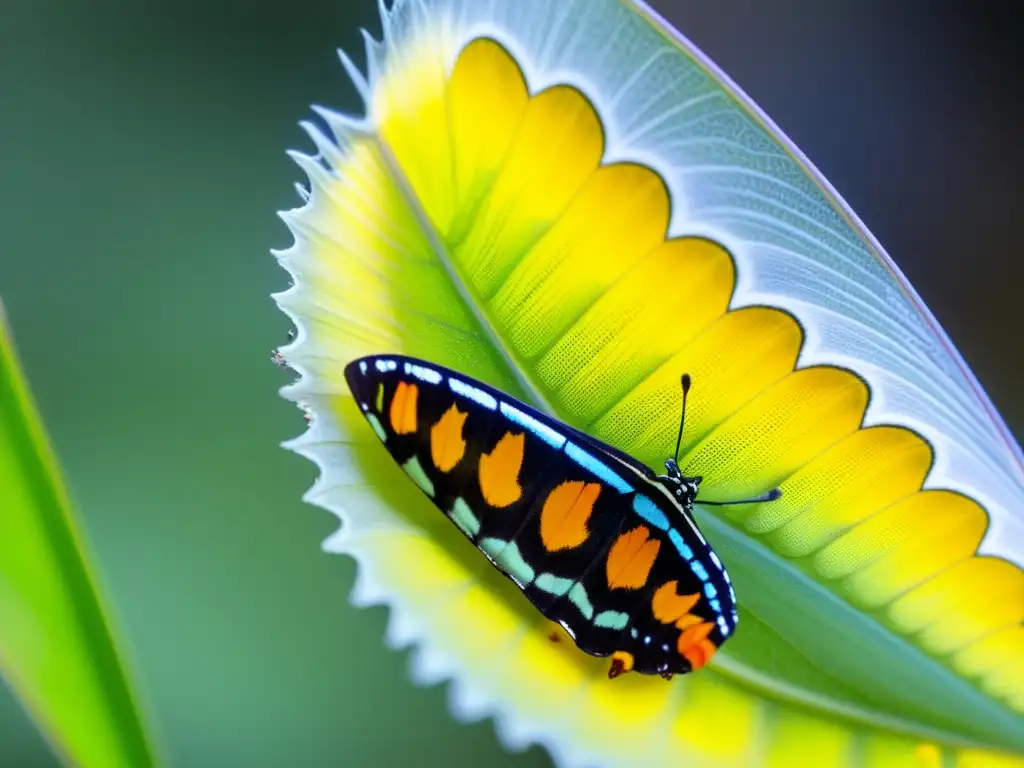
(685, 381)
(773, 495)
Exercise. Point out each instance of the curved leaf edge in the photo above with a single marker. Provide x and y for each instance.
(758, 115)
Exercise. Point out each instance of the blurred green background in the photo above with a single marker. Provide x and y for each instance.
(141, 164)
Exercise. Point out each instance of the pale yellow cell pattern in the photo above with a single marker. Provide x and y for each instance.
(731, 361)
(662, 302)
(620, 214)
(486, 101)
(903, 544)
(977, 596)
(779, 431)
(999, 650)
(558, 147)
(857, 477)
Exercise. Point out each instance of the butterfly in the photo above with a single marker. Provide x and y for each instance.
(597, 542)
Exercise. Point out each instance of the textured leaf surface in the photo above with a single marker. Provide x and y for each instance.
(57, 650)
(576, 213)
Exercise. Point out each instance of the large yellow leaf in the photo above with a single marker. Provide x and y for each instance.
(500, 212)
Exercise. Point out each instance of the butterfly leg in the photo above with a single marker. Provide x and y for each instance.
(622, 663)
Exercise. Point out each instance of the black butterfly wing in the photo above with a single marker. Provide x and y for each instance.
(586, 531)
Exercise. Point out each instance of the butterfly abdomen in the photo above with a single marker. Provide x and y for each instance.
(593, 540)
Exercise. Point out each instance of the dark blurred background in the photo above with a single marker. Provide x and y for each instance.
(142, 154)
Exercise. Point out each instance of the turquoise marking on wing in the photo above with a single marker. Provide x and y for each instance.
(710, 591)
(555, 585)
(611, 619)
(700, 570)
(650, 512)
(579, 597)
(543, 431)
(463, 517)
(511, 561)
(715, 606)
(473, 393)
(677, 540)
(423, 374)
(598, 467)
(378, 428)
(493, 547)
(415, 471)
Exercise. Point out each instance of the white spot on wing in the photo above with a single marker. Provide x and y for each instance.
(473, 393)
(598, 467)
(541, 430)
(428, 375)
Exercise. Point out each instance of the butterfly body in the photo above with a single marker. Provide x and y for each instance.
(593, 538)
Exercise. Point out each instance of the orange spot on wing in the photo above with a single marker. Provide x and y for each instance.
(447, 446)
(668, 605)
(566, 512)
(631, 558)
(688, 620)
(403, 408)
(694, 645)
(700, 653)
(694, 634)
(499, 471)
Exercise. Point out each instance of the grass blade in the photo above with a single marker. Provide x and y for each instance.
(57, 648)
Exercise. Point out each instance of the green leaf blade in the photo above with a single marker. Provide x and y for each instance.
(57, 648)
(902, 688)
